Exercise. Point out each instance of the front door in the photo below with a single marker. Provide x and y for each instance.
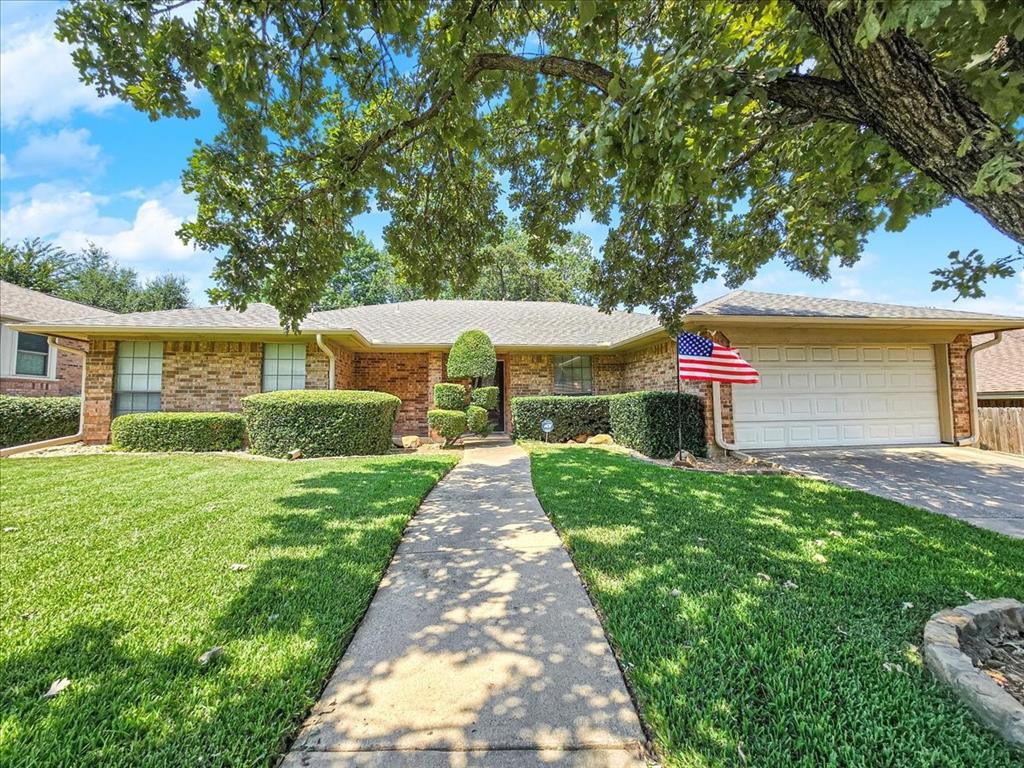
(498, 414)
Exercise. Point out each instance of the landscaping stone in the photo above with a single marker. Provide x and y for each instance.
(685, 459)
(411, 441)
(601, 439)
(978, 650)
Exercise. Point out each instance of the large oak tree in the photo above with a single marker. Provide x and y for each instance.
(715, 135)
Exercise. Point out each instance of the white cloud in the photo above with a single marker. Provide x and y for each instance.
(38, 80)
(5, 171)
(48, 154)
(74, 217)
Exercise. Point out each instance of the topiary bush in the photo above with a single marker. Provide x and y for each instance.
(449, 424)
(485, 397)
(178, 431)
(572, 415)
(477, 420)
(320, 422)
(472, 356)
(29, 419)
(449, 397)
(647, 422)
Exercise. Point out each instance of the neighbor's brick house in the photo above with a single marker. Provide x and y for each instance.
(29, 366)
(833, 372)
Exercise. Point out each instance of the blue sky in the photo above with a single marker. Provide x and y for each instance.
(75, 168)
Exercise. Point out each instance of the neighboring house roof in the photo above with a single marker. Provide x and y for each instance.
(521, 324)
(757, 304)
(1000, 369)
(17, 303)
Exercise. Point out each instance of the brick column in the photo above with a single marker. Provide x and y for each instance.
(728, 425)
(98, 398)
(959, 386)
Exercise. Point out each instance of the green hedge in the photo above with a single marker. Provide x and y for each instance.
(449, 424)
(449, 397)
(176, 431)
(572, 415)
(647, 422)
(28, 419)
(477, 421)
(320, 422)
(472, 356)
(485, 397)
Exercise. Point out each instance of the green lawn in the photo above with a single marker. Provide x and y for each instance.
(119, 576)
(730, 666)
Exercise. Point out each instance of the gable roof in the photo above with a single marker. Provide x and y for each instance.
(18, 303)
(757, 304)
(1000, 369)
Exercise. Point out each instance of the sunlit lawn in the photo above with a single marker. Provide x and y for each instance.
(732, 665)
(118, 576)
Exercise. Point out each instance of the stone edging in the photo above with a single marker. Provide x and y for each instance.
(987, 699)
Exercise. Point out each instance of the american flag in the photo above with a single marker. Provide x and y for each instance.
(703, 360)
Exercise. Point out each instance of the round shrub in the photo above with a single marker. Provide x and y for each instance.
(320, 422)
(472, 357)
(485, 397)
(178, 432)
(449, 397)
(30, 419)
(447, 423)
(477, 421)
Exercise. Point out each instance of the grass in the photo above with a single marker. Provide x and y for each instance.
(119, 576)
(731, 666)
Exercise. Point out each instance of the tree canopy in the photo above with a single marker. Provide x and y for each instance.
(714, 136)
(90, 277)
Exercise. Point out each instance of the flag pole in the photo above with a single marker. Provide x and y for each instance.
(679, 407)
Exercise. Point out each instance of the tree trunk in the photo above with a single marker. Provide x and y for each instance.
(926, 119)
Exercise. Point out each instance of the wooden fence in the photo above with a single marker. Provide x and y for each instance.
(1001, 429)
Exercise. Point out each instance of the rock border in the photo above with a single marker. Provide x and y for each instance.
(993, 705)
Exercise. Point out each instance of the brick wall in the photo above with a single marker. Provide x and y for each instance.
(653, 368)
(344, 367)
(403, 374)
(99, 390)
(958, 385)
(68, 379)
(210, 375)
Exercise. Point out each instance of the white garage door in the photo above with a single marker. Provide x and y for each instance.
(837, 395)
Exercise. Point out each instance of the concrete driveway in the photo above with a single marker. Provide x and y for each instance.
(983, 488)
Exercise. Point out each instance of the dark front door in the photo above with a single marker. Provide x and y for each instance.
(498, 414)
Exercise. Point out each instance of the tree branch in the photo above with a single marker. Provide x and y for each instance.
(817, 97)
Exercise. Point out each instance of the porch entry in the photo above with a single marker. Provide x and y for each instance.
(497, 415)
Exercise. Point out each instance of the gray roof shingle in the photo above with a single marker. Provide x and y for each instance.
(753, 303)
(1001, 368)
(256, 317)
(18, 303)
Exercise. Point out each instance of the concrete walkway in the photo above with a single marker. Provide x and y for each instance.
(481, 647)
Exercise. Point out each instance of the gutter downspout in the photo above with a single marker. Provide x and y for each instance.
(16, 449)
(330, 356)
(716, 413)
(972, 388)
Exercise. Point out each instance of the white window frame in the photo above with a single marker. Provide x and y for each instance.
(272, 376)
(9, 357)
(138, 375)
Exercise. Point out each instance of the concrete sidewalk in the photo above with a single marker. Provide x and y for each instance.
(481, 647)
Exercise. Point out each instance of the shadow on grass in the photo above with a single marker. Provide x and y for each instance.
(773, 616)
(131, 703)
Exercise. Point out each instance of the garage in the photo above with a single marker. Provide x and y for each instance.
(838, 395)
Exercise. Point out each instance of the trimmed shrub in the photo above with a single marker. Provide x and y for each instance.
(29, 419)
(320, 422)
(485, 397)
(477, 420)
(647, 422)
(449, 424)
(572, 415)
(449, 397)
(472, 357)
(178, 431)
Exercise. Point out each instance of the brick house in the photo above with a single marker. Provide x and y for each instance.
(1001, 372)
(29, 365)
(832, 372)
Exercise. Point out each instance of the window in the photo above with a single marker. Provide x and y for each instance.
(139, 376)
(284, 366)
(33, 357)
(572, 375)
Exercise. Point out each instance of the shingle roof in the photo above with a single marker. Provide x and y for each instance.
(1001, 368)
(257, 317)
(753, 303)
(19, 303)
(508, 323)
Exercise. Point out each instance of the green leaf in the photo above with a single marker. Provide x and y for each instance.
(588, 9)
